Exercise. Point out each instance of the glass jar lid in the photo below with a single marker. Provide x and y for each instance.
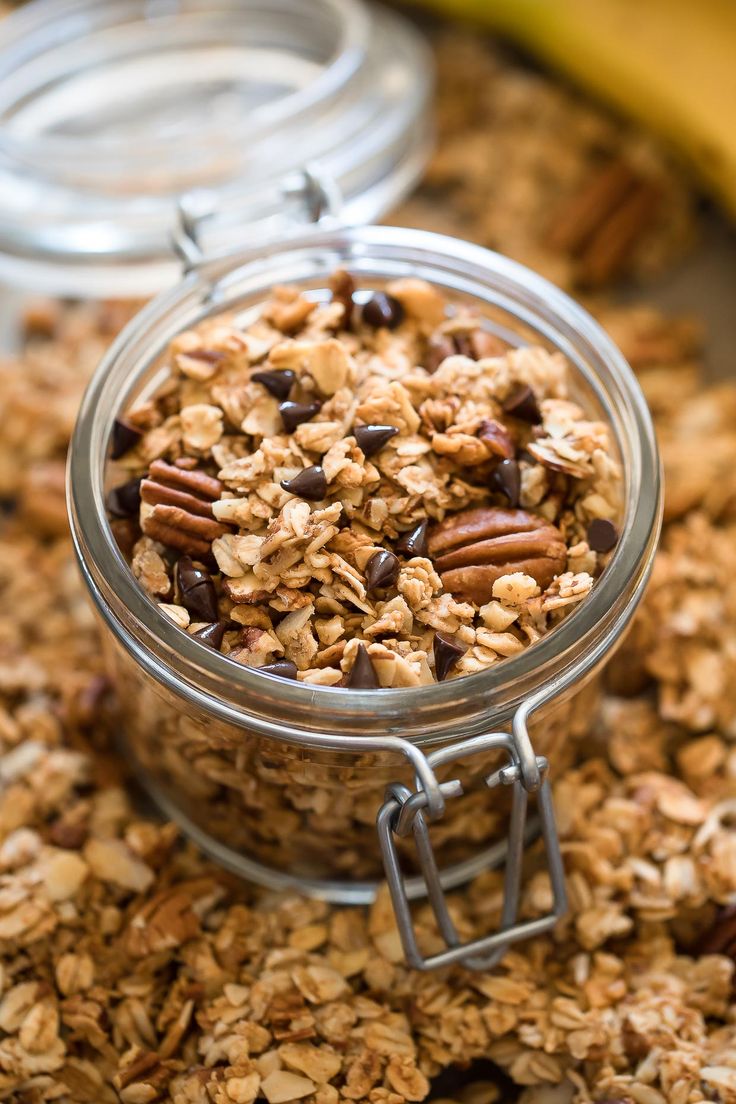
(111, 113)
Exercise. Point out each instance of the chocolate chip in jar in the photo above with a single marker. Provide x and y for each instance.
(382, 570)
(522, 404)
(294, 414)
(311, 483)
(123, 438)
(212, 635)
(602, 535)
(278, 382)
(196, 590)
(506, 478)
(448, 651)
(382, 311)
(281, 668)
(414, 541)
(124, 501)
(372, 438)
(362, 674)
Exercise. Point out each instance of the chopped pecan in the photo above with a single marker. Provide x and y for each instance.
(496, 438)
(610, 248)
(474, 548)
(602, 223)
(586, 210)
(182, 507)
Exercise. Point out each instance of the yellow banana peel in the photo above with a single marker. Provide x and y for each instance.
(671, 64)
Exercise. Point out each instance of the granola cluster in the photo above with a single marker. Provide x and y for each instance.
(133, 970)
(366, 491)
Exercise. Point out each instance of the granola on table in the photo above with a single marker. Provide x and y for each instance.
(369, 491)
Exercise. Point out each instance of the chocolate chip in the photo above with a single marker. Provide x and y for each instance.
(125, 500)
(439, 348)
(382, 570)
(372, 438)
(522, 404)
(382, 310)
(212, 635)
(507, 478)
(197, 590)
(363, 674)
(414, 541)
(123, 437)
(311, 483)
(277, 383)
(602, 535)
(283, 668)
(294, 413)
(447, 651)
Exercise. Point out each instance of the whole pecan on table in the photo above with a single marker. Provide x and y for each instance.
(474, 548)
(182, 507)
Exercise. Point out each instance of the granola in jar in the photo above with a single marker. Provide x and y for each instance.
(370, 490)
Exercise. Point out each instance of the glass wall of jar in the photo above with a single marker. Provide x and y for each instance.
(282, 781)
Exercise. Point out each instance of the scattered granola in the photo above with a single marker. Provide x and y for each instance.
(328, 501)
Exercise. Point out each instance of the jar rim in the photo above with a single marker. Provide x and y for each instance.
(546, 669)
(110, 113)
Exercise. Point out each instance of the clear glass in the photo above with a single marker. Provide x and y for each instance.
(283, 775)
(110, 112)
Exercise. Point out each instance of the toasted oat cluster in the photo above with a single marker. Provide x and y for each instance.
(368, 491)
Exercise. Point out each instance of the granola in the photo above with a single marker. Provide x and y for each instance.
(370, 491)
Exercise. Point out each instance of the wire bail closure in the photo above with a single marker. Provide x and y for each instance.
(406, 812)
(315, 192)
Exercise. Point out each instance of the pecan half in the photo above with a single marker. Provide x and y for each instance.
(474, 548)
(182, 508)
(601, 225)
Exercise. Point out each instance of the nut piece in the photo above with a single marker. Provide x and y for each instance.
(182, 508)
(473, 548)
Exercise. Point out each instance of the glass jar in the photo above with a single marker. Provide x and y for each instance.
(111, 112)
(283, 782)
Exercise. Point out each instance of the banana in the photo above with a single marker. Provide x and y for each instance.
(671, 64)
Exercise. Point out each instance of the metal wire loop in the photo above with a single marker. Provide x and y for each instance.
(405, 812)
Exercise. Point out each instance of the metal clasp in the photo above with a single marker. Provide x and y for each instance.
(405, 811)
(315, 193)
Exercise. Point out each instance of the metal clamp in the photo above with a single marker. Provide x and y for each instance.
(315, 193)
(405, 811)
